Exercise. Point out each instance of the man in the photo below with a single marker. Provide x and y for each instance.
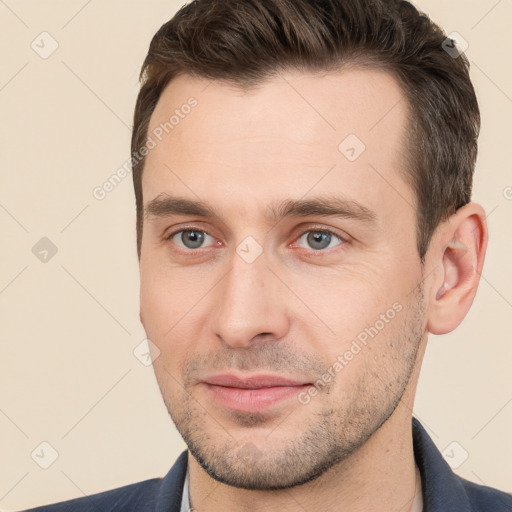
(303, 175)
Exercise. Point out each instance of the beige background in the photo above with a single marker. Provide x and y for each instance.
(69, 326)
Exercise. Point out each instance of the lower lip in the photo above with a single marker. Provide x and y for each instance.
(252, 400)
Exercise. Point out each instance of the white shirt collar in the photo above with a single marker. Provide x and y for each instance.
(185, 499)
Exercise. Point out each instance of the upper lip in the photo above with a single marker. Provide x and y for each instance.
(252, 382)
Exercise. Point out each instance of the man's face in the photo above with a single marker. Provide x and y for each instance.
(258, 299)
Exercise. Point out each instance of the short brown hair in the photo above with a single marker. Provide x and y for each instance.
(244, 42)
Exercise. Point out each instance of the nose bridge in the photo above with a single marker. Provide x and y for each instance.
(248, 301)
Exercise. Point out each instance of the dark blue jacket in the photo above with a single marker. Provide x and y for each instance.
(443, 491)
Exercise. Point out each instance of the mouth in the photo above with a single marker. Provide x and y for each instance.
(252, 394)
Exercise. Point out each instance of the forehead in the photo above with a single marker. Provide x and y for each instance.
(343, 130)
(353, 100)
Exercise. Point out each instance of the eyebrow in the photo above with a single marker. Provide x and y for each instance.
(330, 205)
(322, 206)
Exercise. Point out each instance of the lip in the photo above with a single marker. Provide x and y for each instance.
(251, 394)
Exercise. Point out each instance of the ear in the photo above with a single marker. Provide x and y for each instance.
(458, 255)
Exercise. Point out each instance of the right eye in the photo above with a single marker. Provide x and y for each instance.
(189, 238)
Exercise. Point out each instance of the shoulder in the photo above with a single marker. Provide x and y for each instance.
(134, 497)
(445, 491)
(152, 495)
(484, 499)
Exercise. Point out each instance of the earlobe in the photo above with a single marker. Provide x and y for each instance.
(459, 250)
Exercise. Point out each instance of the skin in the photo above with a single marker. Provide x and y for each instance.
(296, 307)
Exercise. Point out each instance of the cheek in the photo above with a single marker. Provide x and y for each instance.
(359, 312)
(158, 308)
(171, 302)
(165, 294)
(348, 298)
(163, 314)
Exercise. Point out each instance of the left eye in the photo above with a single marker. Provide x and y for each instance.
(319, 239)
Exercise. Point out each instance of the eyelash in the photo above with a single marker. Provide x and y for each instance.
(342, 240)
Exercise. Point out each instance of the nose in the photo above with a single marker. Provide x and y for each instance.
(251, 305)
